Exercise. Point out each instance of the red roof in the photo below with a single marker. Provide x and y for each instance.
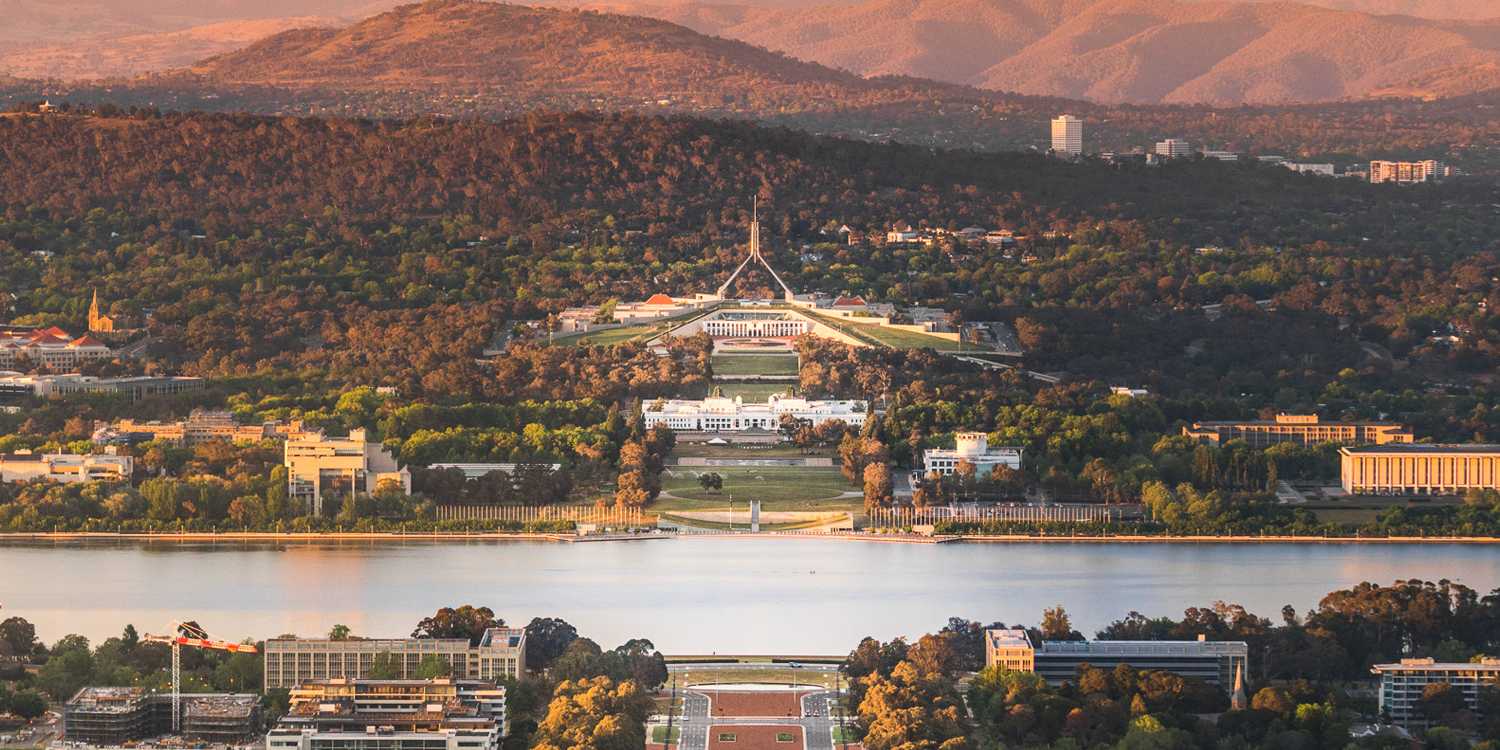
(58, 332)
(87, 340)
(660, 299)
(850, 302)
(50, 338)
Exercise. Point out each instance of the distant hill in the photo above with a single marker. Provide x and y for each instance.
(469, 43)
(136, 54)
(1137, 51)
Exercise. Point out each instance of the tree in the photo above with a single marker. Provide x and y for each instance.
(384, 666)
(465, 622)
(432, 666)
(28, 705)
(879, 489)
(546, 639)
(339, 633)
(1056, 625)
(594, 714)
(711, 482)
(21, 635)
(1439, 699)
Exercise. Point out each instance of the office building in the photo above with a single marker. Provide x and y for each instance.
(1011, 648)
(1419, 469)
(65, 468)
(319, 467)
(1067, 135)
(1175, 148)
(131, 389)
(1302, 429)
(1401, 685)
(1406, 172)
(1215, 662)
(291, 661)
(723, 414)
(973, 447)
(440, 714)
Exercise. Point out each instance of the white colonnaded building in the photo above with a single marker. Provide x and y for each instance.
(973, 447)
(724, 414)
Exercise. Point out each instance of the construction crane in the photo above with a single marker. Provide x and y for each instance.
(189, 635)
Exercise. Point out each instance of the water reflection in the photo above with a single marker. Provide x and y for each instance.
(688, 595)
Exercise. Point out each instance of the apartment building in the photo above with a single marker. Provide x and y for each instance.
(352, 714)
(1401, 685)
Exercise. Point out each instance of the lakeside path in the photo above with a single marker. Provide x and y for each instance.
(467, 536)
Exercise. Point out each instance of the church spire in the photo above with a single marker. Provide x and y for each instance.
(94, 312)
(1237, 700)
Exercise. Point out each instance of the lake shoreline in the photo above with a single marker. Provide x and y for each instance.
(458, 536)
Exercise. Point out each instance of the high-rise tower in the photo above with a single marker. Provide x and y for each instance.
(1067, 135)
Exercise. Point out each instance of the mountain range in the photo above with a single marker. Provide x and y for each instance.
(1137, 51)
(1115, 51)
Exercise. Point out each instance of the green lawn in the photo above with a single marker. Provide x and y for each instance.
(756, 393)
(778, 485)
(844, 734)
(910, 340)
(751, 450)
(659, 734)
(610, 337)
(756, 364)
(1355, 516)
(726, 737)
(785, 737)
(811, 676)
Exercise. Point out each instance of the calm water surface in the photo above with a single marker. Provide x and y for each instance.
(793, 596)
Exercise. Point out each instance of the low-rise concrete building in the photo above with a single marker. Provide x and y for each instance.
(24, 466)
(319, 467)
(1215, 662)
(1301, 429)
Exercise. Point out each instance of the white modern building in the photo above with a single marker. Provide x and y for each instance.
(1175, 148)
(318, 466)
(24, 466)
(743, 323)
(353, 714)
(1067, 135)
(973, 447)
(1216, 662)
(723, 414)
(1401, 685)
(1406, 172)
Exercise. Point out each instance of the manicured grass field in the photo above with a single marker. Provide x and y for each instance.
(909, 340)
(659, 734)
(776, 450)
(844, 734)
(770, 485)
(755, 393)
(1355, 516)
(755, 364)
(610, 337)
(785, 737)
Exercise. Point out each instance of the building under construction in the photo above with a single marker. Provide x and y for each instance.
(107, 716)
(224, 719)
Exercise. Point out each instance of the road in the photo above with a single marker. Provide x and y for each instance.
(817, 725)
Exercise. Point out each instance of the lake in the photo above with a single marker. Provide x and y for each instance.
(689, 596)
